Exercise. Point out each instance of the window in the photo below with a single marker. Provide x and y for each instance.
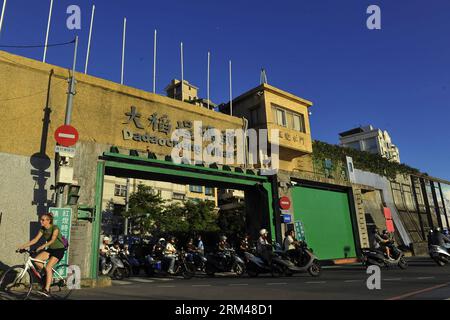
(120, 190)
(209, 191)
(178, 196)
(299, 123)
(289, 119)
(196, 189)
(281, 117)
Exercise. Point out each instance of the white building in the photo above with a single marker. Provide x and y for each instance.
(372, 140)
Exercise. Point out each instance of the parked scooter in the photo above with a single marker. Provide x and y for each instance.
(377, 257)
(228, 261)
(114, 267)
(439, 254)
(305, 260)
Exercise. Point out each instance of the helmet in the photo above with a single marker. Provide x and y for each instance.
(438, 229)
(162, 240)
(263, 232)
(223, 238)
(106, 238)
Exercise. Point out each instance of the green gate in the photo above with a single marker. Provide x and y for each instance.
(327, 223)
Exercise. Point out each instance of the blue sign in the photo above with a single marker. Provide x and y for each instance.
(287, 218)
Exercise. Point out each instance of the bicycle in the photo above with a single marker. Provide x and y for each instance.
(19, 281)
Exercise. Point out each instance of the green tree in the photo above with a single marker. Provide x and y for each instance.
(201, 216)
(145, 207)
(232, 222)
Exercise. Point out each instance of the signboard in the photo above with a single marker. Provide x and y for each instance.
(65, 151)
(299, 231)
(66, 136)
(62, 217)
(287, 218)
(285, 203)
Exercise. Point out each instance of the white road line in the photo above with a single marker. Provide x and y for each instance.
(348, 281)
(424, 278)
(238, 284)
(276, 283)
(316, 282)
(393, 279)
(121, 282)
(142, 280)
(166, 286)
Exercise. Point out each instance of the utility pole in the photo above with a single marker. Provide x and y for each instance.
(127, 207)
(68, 118)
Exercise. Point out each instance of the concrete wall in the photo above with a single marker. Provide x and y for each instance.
(25, 194)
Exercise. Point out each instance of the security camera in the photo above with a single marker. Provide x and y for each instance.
(260, 93)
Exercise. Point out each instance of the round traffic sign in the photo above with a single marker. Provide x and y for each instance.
(66, 136)
(285, 203)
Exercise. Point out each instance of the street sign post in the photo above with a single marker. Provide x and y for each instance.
(66, 136)
(285, 203)
(299, 231)
(62, 217)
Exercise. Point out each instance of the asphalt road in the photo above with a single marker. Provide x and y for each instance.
(422, 280)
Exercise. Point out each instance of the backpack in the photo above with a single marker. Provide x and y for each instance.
(65, 242)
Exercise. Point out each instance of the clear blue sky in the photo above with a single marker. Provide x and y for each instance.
(397, 78)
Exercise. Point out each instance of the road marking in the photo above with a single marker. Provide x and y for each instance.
(201, 285)
(424, 278)
(316, 282)
(166, 286)
(407, 295)
(119, 282)
(238, 284)
(348, 281)
(276, 283)
(393, 279)
(142, 280)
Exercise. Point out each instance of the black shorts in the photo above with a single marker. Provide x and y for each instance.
(57, 253)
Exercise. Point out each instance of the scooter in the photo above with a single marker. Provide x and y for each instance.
(198, 260)
(377, 258)
(307, 263)
(114, 267)
(228, 261)
(158, 266)
(439, 254)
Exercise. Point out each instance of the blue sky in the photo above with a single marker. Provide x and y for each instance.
(397, 78)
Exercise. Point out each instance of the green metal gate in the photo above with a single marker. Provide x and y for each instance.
(326, 220)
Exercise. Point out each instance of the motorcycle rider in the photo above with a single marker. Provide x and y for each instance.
(104, 252)
(115, 249)
(263, 247)
(222, 248)
(170, 253)
(244, 246)
(439, 239)
(200, 245)
(291, 245)
(382, 244)
(158, 248)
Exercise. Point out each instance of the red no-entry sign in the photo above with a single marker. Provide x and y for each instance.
(66, 136)
(285, 203)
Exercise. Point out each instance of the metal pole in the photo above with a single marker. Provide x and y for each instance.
(207, 85)
(127, 207)
(72, 83)
(231, 93)
(89, 41)
(2, 15)
(48, 30)
(123, 48)
(443, 205)
(69, 106)
(182, 70)
(154, 62)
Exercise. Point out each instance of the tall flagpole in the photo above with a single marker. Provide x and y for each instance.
(231, 92)
(182, 70)
(154, 62)
(2, 16)
(89, 41)
(48, 30)
(207, 85)
(123, 48)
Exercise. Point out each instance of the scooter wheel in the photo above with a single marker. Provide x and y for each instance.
(314, 270)
(118, 275)
(402, 263)
(440, 263)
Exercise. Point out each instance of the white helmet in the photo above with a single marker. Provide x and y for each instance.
(162, 240)
(263, 232)
(105, 238)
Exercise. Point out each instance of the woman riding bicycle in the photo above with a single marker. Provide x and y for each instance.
(52, 251)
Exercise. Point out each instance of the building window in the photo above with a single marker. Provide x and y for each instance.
(209, 191)
(120, 190)
(280, 117)
(299, 122)
(196, 189)
(289, 119)
(178, 196)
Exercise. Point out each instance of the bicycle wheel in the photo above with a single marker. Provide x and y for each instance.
(15, 283)
(61, 288)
